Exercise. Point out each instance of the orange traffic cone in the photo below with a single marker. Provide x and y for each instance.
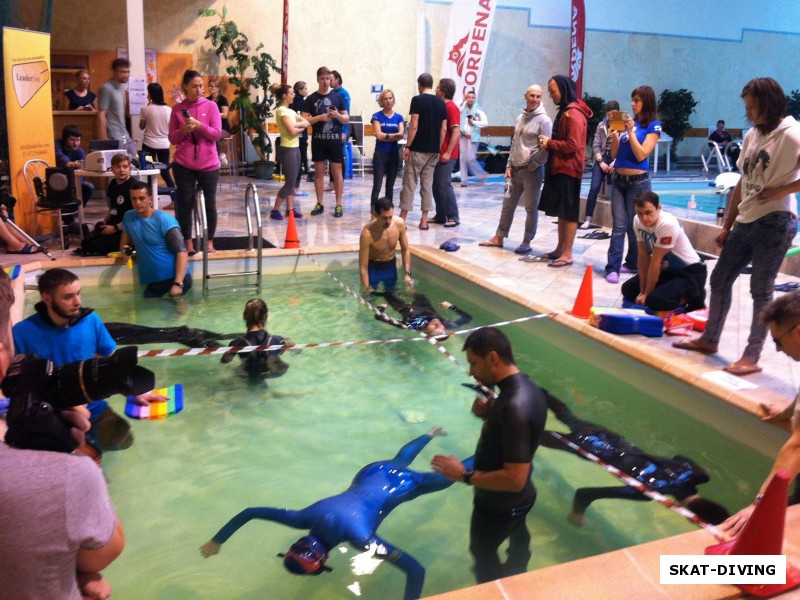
(763, 534)
(292, 239)
(585, 300)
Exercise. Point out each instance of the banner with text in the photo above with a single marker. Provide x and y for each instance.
(29, 110)
(466, 44)
(577, 27)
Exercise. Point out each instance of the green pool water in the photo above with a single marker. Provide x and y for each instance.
(305, 435)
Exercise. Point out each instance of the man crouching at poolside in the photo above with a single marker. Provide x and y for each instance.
(376, 253)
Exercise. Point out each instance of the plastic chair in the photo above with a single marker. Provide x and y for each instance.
(228, 147)
(58, 201)
(712, 151)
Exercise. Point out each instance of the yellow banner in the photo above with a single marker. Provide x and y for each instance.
(29, 110)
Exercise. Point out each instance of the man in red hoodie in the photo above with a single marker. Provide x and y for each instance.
(562, 183)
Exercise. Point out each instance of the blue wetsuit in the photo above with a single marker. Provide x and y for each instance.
(355, 514)
(677, 476)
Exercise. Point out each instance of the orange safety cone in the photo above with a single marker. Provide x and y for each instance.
(763, 534)
(585, 300)
(292, 239)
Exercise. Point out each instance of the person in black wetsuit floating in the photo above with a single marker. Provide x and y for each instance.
(677, 476)
(420, 315)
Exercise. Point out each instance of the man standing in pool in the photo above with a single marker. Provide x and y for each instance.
(353, 516)
(513, 423)
(677, 476)
(377, 262)
(161, 254)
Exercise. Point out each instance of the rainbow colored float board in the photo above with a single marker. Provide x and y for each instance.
(13, 272)
(157, 410)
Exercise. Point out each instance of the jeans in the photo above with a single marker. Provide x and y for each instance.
(527, 185)
(468, 159)
(384, 163)
(444, 196)
(487, 531)
(186, 181)
(597, 183)
(622, 213)
(162, 156)
(765, 242)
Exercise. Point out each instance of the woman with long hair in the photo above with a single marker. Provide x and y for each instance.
(389, 129)
(760, 223)
(154, 121)
(630, 149)
(194, 129)
(291, 126)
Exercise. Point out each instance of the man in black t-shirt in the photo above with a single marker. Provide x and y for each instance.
(513, 423)
(426, 130)
(326, 112)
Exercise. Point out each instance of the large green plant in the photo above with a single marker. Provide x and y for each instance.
(793, 101)
(252, 101)
(675, 108)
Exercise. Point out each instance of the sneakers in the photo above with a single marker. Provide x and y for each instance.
(223, 160)
(318, 209)
(338, 212)
(275, 215)
(612, 277)
(297, 213)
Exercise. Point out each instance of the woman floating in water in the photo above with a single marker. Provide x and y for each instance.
(353, 516)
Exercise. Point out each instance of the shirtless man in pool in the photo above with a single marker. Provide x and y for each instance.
(377, 262)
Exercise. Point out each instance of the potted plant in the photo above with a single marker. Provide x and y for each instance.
(252, 101)
(675, 107)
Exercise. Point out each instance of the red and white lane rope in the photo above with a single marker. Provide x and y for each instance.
(641, 487)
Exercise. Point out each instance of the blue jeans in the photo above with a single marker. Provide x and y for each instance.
(765, 242)
(384, 163)
(594, 187)
(622, 213)
(444, 196)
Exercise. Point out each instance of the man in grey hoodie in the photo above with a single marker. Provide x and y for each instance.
(525, 169)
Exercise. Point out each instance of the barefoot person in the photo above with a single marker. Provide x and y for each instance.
(377, 262)
(763, 208)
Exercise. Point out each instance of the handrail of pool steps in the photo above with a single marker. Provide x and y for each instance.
(201, 224)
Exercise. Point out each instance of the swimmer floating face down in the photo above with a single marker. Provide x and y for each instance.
(306, 556)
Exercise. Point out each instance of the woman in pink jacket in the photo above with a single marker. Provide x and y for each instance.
(194, 129)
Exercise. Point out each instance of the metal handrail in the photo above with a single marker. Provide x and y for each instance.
(201, 223)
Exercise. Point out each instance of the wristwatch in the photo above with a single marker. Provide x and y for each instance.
(466, 476)
(178, 283)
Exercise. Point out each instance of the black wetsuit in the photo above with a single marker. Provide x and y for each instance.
(510, 434)
(677, 476)
(262, 363)
(130, 334)
(419, 312)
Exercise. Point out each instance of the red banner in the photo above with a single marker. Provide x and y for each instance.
(285, 45)
(576, 39)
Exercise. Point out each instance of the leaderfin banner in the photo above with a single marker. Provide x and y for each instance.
(466, 44)
(29, 110)
(577, 28)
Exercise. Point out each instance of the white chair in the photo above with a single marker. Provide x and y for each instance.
(712, 152)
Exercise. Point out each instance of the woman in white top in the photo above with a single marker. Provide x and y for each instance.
(291, 126)
(154, 121)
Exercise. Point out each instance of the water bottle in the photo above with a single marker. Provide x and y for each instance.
(692, 203)
(123, 143)
(507, 188)
(720, 215)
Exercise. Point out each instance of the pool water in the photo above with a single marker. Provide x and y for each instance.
(676, 195)
(303, 437)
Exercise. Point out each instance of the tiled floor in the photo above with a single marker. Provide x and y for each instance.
(555, 289)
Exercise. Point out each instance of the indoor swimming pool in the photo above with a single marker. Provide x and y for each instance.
(302, 437)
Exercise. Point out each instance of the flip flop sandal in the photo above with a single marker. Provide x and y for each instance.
(787, 287)
(536, 259)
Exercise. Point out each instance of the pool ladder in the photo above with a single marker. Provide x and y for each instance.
(254, 242)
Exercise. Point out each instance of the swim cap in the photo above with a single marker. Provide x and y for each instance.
(307, 556)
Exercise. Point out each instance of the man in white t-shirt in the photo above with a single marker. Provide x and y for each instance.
(671, 273)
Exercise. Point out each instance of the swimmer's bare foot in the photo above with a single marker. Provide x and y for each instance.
(210, 548)
(743, 366)
(696, 345)
(437, 431)
(577, 519)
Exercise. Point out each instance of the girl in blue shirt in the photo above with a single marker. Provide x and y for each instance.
(389, 129)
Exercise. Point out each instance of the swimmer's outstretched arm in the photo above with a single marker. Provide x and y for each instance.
(292, 518)
(409, 452)
(415, 572)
